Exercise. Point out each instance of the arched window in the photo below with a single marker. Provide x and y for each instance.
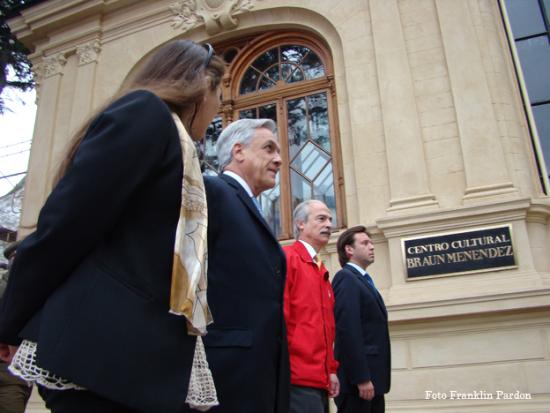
(288, 78)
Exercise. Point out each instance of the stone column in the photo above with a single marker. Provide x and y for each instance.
(49, 73)
(409, 187)
(484, 162)
(88, 55)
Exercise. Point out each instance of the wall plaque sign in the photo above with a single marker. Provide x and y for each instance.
(477, 250)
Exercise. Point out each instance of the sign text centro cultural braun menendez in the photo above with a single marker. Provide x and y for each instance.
(461, 252)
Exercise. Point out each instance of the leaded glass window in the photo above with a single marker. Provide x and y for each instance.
(290, 82)
(285, 64)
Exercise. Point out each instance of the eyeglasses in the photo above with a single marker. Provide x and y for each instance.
(210, 51)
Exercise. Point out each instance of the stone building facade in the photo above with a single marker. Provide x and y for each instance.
(424, 131)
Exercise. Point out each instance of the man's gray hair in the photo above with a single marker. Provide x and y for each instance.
(241, 131)
(301, 214)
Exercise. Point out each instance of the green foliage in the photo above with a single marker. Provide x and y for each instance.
(13, 53)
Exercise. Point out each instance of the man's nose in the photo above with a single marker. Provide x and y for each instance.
(277, 159)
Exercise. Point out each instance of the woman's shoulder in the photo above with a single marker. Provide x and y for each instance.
(136, 99)
(140, 108)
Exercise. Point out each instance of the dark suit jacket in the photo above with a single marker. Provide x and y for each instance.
(246, 345)
(92, 284)
(362, 338)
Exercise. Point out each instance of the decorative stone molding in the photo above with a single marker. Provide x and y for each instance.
(217, 15)
(228, 110)
(38, 74)
(88, 52)
(52, 65)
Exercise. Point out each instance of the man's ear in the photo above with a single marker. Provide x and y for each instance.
(349, 250)
(237, 152)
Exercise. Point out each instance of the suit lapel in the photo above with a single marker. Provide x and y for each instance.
(373, 290)
(245, 199)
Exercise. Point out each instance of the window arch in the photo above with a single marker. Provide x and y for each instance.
(287, 77)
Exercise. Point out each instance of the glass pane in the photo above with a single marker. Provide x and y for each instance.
(296, 76)
(312, 66)
(310, 161)
(542, 119)
(268, 111)
(210, 159)
(547, 7)
(287, 70)
(293, 53)
(323, 190)
(247, 114)
(270, 78)
(525, 17)
(301, 189)
(270, 202)
(249, 81)
(267, 59)
(534, 56)
(297, 125)
(318, 120)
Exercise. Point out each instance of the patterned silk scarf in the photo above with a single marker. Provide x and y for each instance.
(188, 291)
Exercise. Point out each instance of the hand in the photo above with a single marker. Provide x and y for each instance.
(7, 352)
(366, 390)
(334, 385)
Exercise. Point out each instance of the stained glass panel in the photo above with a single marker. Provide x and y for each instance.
(293, 64)
(310, 161)
(249, 81)
(267, 59)
(312, 66)
(247, 114)
(323, 190)
(268, 112)
(301, 189)
(318, 120)
(270, 202)
(293, 53)
(296, 76)
(297, 125)
(270, 78)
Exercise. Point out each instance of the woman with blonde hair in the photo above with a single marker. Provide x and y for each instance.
(107, 296)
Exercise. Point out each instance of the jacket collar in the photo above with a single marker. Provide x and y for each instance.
(246, 199)
(353, 270)
(305, 256)
(375, 292)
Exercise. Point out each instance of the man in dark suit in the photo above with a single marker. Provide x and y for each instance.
(362, 338)
(246, 345)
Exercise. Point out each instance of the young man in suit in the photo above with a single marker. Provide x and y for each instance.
(246, 345)
(362, 337)
(309, 312)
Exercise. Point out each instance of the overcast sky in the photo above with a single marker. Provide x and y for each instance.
(16, 129)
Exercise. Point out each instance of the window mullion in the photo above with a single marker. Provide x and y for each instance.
(286, 192)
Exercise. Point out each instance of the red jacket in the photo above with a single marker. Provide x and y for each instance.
(309, 315)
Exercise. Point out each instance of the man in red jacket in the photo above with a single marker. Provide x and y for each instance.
(309, 312)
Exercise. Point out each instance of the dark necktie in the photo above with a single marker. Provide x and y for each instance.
(370, 281)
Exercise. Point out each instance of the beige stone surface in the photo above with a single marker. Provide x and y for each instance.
(434, 139)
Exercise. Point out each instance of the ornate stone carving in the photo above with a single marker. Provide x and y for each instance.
(52, 65)
(88, 52)
(217, 15)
